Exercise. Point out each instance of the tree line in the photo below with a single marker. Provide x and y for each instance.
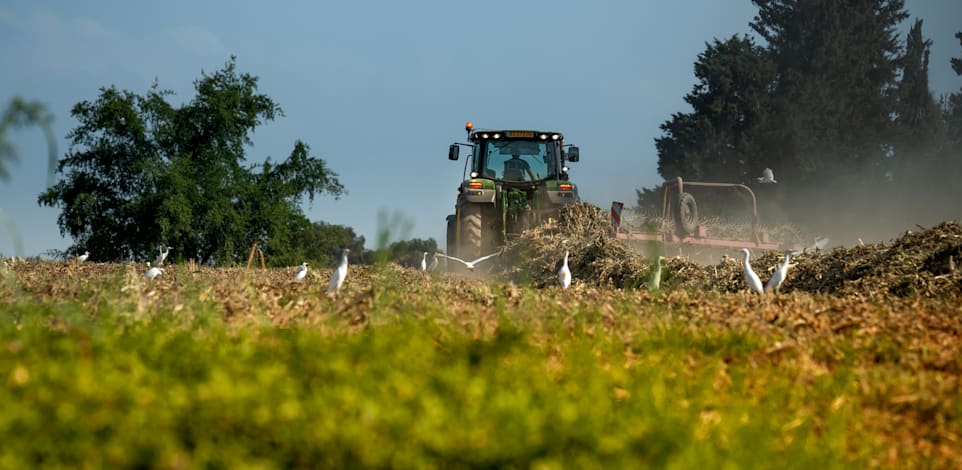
(141, 173)
(834, 101)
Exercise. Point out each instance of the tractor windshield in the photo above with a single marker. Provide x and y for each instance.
(518, 160)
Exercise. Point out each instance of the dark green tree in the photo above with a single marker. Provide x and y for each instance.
(719, 139)
(917, 112)
(918, 118)
(323, 243)
(950, 155)
(836, 64)
(953, 107)
(141, 172)
(409, 252)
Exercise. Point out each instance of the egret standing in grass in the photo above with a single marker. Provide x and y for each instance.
(654, 281)
(339, 274)
(153, 272)
(161, 256)
(754, 283)
(767, 176)
(83, 257)
(471, 264)
(301, 272)
(778, 278)
(424, 261)
(564, 274)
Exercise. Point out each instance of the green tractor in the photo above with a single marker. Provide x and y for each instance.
(514, 180)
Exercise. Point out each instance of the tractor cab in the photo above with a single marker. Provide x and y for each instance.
(513, 180)
(517, 157)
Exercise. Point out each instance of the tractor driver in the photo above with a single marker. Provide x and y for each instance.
(515, 168)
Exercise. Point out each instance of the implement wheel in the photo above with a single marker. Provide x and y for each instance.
(686, 215)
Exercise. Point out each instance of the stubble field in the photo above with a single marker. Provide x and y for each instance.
(236, 368)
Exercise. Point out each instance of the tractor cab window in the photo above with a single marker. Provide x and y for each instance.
(518, 160)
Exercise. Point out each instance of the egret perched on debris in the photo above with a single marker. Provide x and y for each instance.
(654, 281)
(564, 274)
(778, 278)
(301, 272)
(83, 257)
(754, 283)
(471, 264)
(424, 261)
(153, 272)
(767, 176)
(161, 256)
(434, 262)
(339, 274)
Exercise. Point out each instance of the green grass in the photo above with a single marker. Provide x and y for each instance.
(409, 394)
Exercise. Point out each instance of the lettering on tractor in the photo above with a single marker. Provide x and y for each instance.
(513, 180)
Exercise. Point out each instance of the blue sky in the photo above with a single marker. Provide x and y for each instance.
(379, 89)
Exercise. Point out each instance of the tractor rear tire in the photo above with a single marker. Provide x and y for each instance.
(452, 238)
(471, 232)
(686, 215)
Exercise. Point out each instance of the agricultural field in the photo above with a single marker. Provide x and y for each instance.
(856, 363)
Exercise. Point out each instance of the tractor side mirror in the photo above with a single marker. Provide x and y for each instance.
(572, 154)
(453, 152)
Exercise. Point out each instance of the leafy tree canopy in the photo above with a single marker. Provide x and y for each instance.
(142, 172)
(835, 102)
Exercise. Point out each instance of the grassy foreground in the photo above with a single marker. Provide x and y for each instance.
(227, 369)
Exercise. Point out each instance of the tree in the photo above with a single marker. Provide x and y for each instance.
(323, 243)
(722, 138)
(141, 172)
(718, 140)
(836, 64)
(953, 107)
(409, 252)
(918, 119)
(951, 153)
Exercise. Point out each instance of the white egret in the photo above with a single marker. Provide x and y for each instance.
(301, 272)
(339, 274)
(424, 261)
(654, 281)
(778, 278)
(153, 272)
(767, 176)
(754, 283)
(471, 264)
(161, 256)
(564, 274)
(83, 257)
(434, 262)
